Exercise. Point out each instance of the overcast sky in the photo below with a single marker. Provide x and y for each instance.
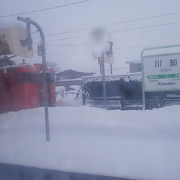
(69, 50)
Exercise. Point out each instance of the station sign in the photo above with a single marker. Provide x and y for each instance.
(161, 72)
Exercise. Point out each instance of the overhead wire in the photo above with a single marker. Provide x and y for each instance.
(117, 23)
(61, 45)
(45, 9)
(146, 27)
(66, 38)
(70, 31)
(86, 28)
(121, 30)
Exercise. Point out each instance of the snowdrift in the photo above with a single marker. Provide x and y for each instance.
(134, 144)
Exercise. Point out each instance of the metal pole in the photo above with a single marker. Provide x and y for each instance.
(111, 71)
(29, 39)
(45, 86)
(143, 89)
(103, 80)
(100, 65)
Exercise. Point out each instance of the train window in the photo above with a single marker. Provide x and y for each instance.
(32, 78)
(50, 77)
(6, 84)
(26, 78)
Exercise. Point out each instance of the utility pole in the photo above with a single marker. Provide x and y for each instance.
(98, 37)
(110, 51)
(111, 69)
(102, 67)
(29, 22)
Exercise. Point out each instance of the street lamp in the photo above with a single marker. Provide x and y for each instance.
(30, 22)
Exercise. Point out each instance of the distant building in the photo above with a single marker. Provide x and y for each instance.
(71, 74)
(134, 67)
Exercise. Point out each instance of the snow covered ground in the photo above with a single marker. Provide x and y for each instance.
(134, 144)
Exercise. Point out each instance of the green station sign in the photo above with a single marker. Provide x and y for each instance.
(164, 76)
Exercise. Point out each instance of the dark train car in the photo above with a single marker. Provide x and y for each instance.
(120, 89)
(21, 87)
(124, 91)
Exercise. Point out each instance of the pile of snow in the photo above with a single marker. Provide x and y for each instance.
(135, 144)
(69, 98)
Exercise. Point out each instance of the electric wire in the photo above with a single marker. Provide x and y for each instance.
(45, 9)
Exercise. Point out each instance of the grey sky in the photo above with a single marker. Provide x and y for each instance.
(127, 43)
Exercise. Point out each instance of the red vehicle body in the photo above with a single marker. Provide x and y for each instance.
(21, 87)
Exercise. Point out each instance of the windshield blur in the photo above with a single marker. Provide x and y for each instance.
(89, 89)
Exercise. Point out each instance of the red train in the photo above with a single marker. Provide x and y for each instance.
(21, 87)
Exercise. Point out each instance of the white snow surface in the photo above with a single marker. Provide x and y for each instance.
(134, 144)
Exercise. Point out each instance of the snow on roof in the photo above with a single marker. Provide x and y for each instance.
(126, 77)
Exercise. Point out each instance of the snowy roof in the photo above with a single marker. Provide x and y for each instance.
(126, 77)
